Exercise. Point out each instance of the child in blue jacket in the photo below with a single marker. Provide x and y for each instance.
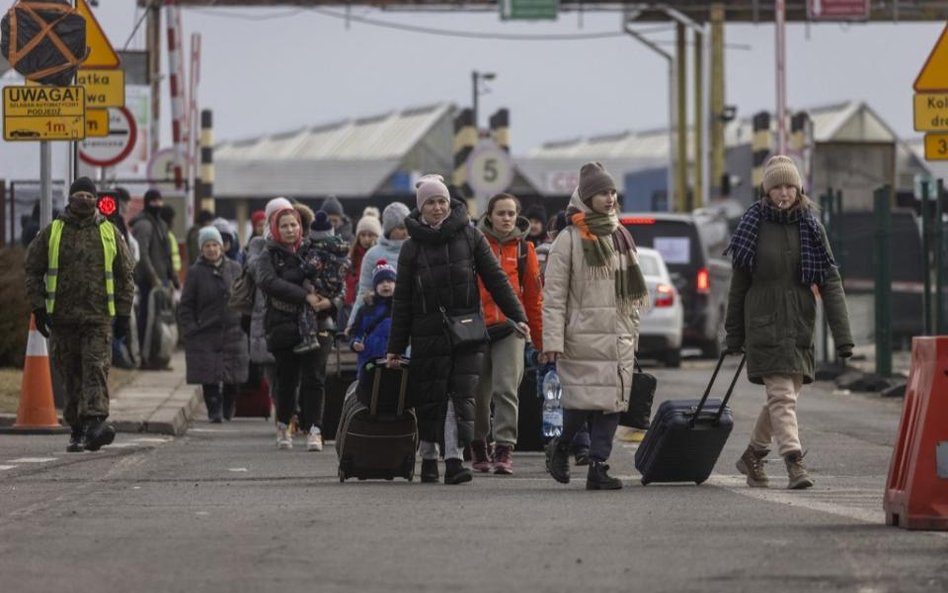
(374, 319)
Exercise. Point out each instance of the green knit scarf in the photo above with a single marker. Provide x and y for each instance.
(603, 237)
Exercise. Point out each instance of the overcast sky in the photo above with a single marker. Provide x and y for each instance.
(276, 69)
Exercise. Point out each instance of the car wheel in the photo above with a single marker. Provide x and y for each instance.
(672, 358)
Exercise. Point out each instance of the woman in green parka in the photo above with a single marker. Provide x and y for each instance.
(782, 263)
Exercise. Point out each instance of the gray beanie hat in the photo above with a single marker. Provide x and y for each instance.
(209, 233)
(393, 216)
(331, 205)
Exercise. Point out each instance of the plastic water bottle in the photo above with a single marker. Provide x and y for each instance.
(552, 404)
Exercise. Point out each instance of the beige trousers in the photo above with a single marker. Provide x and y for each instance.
(778, 418)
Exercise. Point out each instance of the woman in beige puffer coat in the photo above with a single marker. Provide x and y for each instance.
(591, 299)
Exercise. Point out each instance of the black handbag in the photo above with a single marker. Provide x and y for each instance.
(640, 400)
(464, 330)
(467, 329)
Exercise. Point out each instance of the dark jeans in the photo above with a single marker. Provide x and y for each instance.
(219, 402)
(307, 373)
(602, 429)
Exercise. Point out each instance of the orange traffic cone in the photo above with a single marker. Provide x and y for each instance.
(36, 412)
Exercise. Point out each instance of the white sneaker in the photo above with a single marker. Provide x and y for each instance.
(284, 438)
(314, 440)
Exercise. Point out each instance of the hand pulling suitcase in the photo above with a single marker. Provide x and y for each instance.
(377, 441)
(686, 436)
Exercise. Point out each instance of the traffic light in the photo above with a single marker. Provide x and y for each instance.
(108, 203)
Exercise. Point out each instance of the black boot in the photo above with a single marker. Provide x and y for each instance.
(455, 472)
(229, 406)
(429, 471)
(75, 439)
(557, 460)
(598, 479)
(97, 433)
(215, 407)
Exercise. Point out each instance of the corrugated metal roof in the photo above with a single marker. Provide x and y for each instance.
(851, 121)
(349, 157)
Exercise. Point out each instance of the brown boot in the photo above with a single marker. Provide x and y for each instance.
(751, 464)
(799, 477)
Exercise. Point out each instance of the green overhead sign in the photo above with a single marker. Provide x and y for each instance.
(529, 9)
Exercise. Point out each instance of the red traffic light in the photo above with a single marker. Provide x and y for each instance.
(107, 205)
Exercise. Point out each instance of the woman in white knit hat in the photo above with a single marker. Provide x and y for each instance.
(782, 261)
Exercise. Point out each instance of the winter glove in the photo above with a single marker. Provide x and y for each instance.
(120, 327)
(42, 321)
(731, 349)
(844, 350)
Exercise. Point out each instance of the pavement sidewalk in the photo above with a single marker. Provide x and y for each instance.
(158, 402)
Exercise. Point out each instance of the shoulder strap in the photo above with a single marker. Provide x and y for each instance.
(521, 260)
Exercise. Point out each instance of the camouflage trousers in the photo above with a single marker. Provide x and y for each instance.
(82, 353)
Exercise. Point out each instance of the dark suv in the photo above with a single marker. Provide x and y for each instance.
(691, 248)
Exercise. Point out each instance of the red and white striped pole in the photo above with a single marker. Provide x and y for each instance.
(193, 135)
(176, 81)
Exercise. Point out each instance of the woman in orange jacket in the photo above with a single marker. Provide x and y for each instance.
(506, 232)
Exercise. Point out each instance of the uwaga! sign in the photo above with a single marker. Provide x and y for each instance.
(36, 101)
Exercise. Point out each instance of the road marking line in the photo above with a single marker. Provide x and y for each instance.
(150, 440)
(4, 467)
(237, 469)
(32, 460)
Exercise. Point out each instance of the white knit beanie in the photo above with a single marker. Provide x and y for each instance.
(275, 205)
(370, 224)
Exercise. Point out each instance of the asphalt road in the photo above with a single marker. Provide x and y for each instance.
(221, 509)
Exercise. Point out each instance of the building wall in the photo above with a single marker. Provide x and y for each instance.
(856, 169)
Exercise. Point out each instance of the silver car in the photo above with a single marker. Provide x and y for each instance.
(661, 325)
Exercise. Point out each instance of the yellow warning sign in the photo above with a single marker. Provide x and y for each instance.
(931, 112)
(936, 147)
(101, 52)
(934, 75)
(97, 122)
(104, 88)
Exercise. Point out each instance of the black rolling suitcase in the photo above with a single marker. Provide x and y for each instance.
(377, 439)
(687, 436)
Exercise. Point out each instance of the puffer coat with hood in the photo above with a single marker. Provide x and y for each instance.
(581, 320)
(440, 266)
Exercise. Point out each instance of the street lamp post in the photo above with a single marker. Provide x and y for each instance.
(476, 77)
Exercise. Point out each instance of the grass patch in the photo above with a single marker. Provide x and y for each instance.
(10, 380)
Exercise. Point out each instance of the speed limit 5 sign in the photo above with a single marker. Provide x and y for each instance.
(489, 169)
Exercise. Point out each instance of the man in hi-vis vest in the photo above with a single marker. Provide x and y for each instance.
(79, 279)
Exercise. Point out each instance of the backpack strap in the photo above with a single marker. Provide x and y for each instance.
(521, 260)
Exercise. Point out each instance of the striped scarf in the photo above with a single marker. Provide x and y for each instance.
(602, 238)
(815, 259)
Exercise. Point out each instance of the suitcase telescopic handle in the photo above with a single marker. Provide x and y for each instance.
(727, 396)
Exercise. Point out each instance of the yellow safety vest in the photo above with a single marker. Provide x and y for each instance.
(175, 254)
(107, 234)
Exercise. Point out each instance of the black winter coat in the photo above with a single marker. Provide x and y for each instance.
(215, 347)
(456, 254)
(279, 274)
